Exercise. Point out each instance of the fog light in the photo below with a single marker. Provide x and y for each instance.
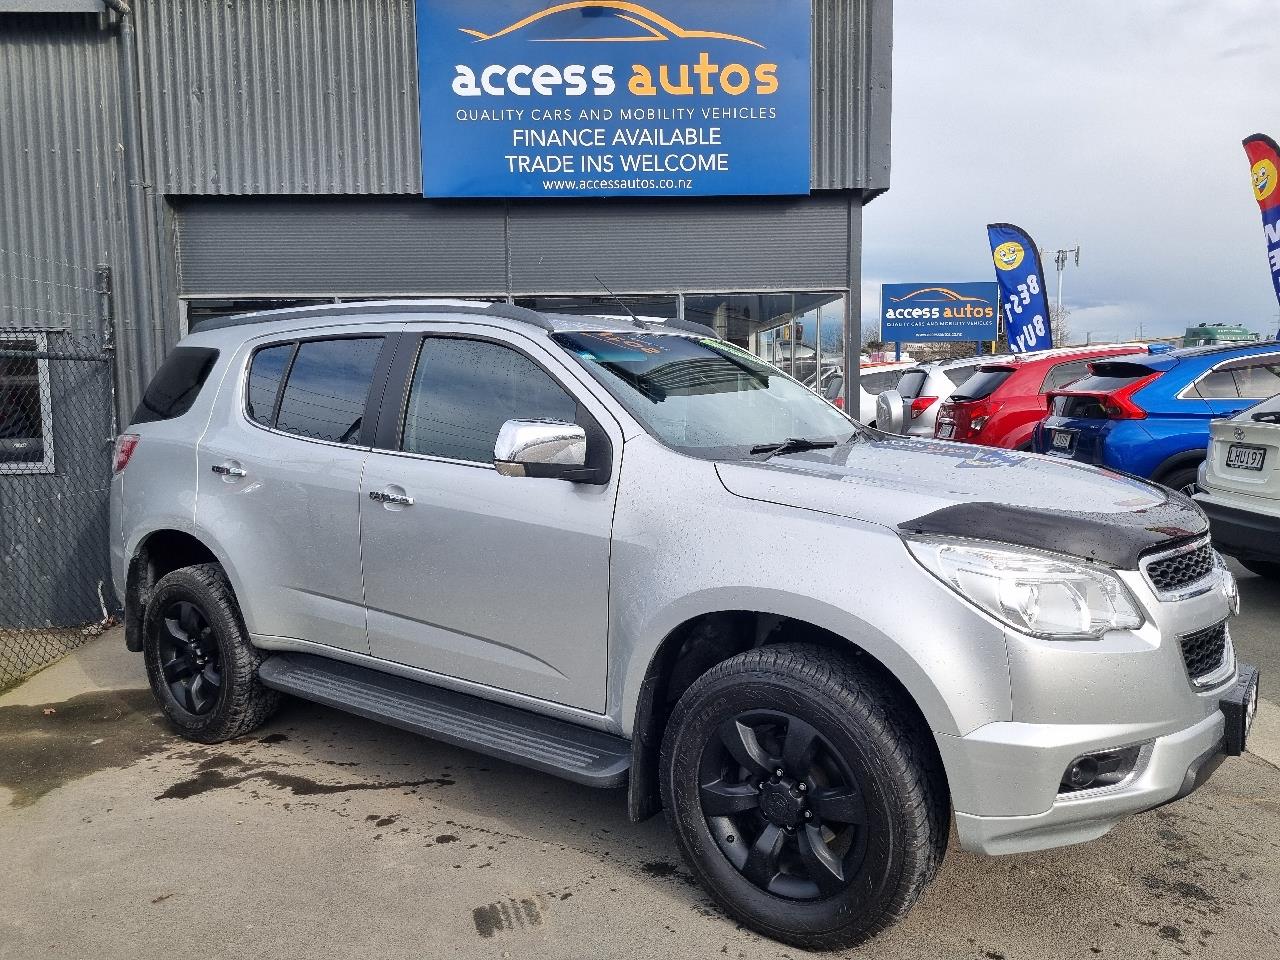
(1105, 768)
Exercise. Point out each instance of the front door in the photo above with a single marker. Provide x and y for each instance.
(498, 580)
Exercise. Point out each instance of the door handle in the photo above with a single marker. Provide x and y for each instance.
(395, 499)
(226, 470)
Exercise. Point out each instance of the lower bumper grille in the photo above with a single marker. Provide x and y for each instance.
(1204, 651)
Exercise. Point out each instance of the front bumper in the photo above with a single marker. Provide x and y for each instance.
(1009, 757)
(1241, 533)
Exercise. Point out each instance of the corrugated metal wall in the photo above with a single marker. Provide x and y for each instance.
(329, 246)
(318, 96)
(60, 189)
(281, 96)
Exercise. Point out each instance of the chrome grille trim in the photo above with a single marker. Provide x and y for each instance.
(1182, 572)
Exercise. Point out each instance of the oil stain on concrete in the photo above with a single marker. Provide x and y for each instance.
(45, 746)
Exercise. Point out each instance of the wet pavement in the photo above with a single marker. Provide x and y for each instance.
(324, 835)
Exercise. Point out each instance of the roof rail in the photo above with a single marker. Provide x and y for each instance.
(506, 311)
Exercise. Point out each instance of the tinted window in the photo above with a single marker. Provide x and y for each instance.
(958, 375)
(1219, 385)
(265, 376)
(835, 387)
(1257, 379)
(176, 384)
(1063, 374)
(465, 390)
(909, 385)
(327, 389)
(982, 384)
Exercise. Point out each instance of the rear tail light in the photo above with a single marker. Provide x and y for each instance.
(969, 418)
(126, 443)
(920, 404)
(1116, 405)
(839, 402)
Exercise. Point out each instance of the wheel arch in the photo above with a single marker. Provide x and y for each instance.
(704, 640)
(1179, 461)
(157, 553)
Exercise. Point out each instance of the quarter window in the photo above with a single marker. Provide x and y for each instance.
(26, 421)
(1063, 374)
(464, 391)
(328, 388)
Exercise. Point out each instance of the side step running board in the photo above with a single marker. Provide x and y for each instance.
(553, 746)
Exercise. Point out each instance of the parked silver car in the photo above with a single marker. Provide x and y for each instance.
(622, 553)
(911, 406)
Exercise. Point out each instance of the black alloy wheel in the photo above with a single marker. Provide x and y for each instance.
(783, 806)
(190, 659)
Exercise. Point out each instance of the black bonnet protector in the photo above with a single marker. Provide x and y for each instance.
(1114, 539)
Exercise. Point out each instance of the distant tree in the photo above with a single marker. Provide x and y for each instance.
(1060, 324)
(871, 339)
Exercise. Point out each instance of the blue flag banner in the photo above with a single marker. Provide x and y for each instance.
(588, 98)
(1264, 167)
(1022, 298)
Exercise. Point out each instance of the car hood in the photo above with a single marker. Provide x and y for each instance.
(951, 489)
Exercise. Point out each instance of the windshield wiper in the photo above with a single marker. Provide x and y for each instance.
(792, 445)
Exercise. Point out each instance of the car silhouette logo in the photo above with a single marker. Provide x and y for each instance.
(634, 23)
(937, 295)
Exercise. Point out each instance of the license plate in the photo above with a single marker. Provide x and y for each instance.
(946, 430)
(1241, 457)
(1239, 707)
(1063, 439)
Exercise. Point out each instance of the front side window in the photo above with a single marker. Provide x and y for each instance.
(704, 397)
(463, 391)
(328, 387)
(26, 422)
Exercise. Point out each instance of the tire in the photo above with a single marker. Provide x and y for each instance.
(202, 668)
(1263, 568)
(855, 728)
(1184, 480)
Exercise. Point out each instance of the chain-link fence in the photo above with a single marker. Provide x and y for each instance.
(56, 427)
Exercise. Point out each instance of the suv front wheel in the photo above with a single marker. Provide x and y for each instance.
(799, 797)
(202, 668)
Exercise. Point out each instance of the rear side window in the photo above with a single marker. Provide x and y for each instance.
(982, 384)
(176, 384)
(266, 373)
(1256, 378)
(328, 387)
(958, 375)
(464, 391)
(910, 384)
(1063, 374)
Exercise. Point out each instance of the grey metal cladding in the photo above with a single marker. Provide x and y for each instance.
(373, 246)
(688, 245)
(307, 97)
(60, 180)
(281, 96)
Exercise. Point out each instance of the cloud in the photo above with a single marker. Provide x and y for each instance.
(1114, 126)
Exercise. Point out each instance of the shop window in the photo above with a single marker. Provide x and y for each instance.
(26, 420)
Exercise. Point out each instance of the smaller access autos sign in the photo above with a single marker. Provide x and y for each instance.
(923, 312)
(671, 98)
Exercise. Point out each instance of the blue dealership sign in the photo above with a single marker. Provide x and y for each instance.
(533, 98)
(923, 312)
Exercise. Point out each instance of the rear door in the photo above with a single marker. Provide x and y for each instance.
(494, 580)
(278, 481)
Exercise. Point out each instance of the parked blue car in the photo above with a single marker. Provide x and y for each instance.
(1148, 414)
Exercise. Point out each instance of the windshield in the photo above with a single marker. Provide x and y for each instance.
(705, 397)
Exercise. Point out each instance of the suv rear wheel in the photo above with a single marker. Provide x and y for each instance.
(202, 668)
(799, 799)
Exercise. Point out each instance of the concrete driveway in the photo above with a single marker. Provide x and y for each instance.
(329, 836)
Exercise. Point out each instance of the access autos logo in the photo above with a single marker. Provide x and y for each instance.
(585, 23)
(955, 306)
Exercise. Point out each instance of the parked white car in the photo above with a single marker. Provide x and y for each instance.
(873, 379)
(1240, 487)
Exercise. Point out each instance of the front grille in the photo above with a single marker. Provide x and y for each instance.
(1204, 650)
(1178, 570)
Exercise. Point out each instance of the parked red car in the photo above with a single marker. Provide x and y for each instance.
(1000, 405)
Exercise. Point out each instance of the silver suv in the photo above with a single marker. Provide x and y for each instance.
(631, 553)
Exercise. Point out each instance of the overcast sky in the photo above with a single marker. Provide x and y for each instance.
(1115, 124)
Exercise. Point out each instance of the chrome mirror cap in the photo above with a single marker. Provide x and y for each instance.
(540, 448)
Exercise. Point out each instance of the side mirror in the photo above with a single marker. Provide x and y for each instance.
(548, 449)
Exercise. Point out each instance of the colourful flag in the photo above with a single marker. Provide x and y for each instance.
(1022, 297)
(1264, 159)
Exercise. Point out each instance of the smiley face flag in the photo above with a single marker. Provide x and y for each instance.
(1022, 298)
(1264, 161)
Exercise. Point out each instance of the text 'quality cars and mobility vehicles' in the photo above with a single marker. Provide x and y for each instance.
(623, 552)
(1149, 414)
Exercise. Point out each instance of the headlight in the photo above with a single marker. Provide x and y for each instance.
(1032, 592)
